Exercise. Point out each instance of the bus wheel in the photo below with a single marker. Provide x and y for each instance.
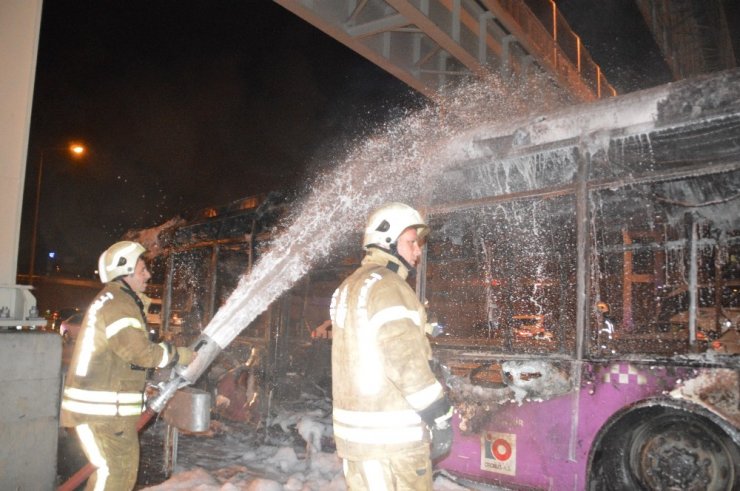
(672, 450)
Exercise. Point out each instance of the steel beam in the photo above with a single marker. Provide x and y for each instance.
(430, 44)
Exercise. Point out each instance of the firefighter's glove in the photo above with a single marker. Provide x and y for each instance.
(434, 329)
(441, 441)
(438, 416)
(185, 355)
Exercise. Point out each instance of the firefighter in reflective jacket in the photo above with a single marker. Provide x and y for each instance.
(103, 393)
(388, 405)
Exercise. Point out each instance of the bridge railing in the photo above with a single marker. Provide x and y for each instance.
(557, 44)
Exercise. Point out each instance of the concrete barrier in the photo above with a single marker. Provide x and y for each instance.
(30, 384)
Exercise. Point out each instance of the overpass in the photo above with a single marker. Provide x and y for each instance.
(435, 44)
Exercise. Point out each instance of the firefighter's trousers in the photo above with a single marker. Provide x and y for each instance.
(407, 471)
(112, 447)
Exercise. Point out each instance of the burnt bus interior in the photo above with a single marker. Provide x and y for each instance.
(503, 276)
(642, 221)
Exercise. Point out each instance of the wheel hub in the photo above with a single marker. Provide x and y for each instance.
(680, 456)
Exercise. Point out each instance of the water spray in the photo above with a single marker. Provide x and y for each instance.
(418, 148)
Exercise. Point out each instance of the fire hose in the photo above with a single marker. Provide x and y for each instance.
(207, 350)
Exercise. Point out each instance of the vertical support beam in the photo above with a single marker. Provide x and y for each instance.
(386, 45)
(167, 298)
(527, 64)
(416, 55)
(554, 33)
(576, 372)
(582, 265)
(693, 282)
(211, 307)
(627, 280)
(250, 246)
(455, 27)
(421, 279)
(482, 33)
(582, 292)
(506, 43)
(720, 256)
(424, 9)
(441, 68)
(171, 438)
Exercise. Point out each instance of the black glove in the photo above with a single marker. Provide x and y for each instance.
(441, 441)
(437, 417)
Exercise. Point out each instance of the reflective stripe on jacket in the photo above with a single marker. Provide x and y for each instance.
(102, 402)
(380, 369)
(105, 378)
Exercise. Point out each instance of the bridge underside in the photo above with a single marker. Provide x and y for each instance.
(693, 35)
(435, 44)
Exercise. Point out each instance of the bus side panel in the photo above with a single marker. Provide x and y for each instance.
(531, 444)
(525, 445)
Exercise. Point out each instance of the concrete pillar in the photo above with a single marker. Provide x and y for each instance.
(31, 375)
(20, 22)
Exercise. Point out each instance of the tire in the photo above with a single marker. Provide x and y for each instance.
(666, 449)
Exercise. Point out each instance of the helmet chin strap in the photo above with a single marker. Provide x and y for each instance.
(394, 251)
(130, 292)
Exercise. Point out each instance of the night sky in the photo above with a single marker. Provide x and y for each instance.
(189, 104)
(184, 105)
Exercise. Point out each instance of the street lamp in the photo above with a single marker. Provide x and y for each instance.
(76, 150)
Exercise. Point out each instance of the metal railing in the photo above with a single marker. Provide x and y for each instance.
(557, 44)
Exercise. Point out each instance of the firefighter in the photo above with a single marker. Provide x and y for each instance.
(388, 405)
(103, 393)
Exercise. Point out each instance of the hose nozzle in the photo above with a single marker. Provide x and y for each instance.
(206, 351)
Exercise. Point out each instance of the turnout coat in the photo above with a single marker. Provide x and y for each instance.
(380, 362)
(107, 375)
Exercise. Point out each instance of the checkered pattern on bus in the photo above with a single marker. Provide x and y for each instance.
(624, 373)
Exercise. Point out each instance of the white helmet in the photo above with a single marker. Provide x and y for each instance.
(388, 222)
(119, 260)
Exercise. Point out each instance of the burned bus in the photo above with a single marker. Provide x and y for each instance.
(585, 270)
